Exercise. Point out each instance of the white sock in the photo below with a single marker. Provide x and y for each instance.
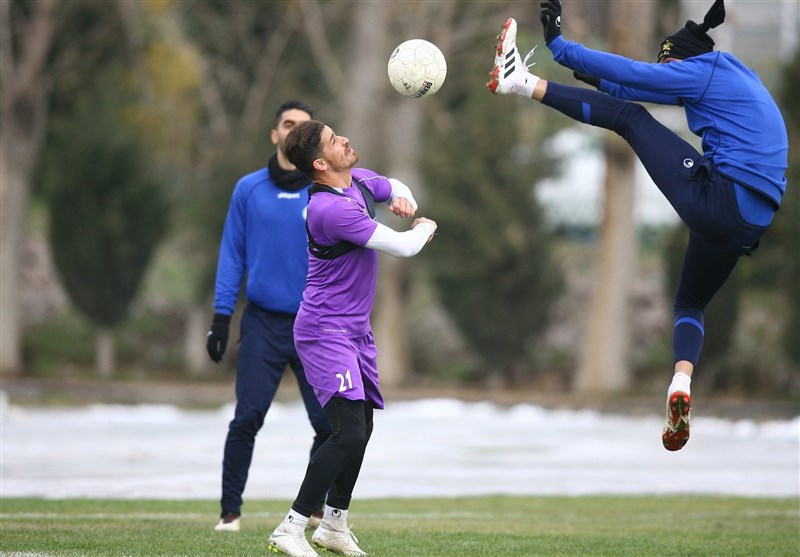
(335, 517)
(294, 518)
(680, 382)
(527, 86)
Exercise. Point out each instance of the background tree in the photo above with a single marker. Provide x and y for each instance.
(203, 79)
(385, 127)
(207, 76)
(790, 213)
(27, 32)
(492, 261)
(168, 111)
(42, 43)
(604, 362)
(107, 212)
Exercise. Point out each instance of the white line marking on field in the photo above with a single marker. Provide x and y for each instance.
(202, 516)
(122, 516)
(273, 515)
(15, 554)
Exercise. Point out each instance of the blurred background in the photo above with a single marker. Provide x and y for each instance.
(124, 126)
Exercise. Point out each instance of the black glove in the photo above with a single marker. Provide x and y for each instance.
(550, 16)
(592, 80)
(218, 336)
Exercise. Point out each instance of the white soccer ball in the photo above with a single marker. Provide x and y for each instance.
(417, 68)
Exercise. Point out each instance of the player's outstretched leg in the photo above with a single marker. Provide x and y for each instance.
(679, 404)
(510, 73)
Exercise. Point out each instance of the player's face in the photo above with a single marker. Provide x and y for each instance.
(336, 151)
(289, 119)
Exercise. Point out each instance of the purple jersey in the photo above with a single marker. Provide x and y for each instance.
(332, 330)
(339, 292)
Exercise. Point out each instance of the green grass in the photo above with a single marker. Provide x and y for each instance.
(689, 526)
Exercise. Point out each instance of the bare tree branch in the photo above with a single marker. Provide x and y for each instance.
(33, 54)
(90, 47)
(211, 97)
(259, 90)
(6, 44)
(321, 45)
(130, 17)
(22, 74)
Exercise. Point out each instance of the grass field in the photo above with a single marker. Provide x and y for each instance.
(689, 526)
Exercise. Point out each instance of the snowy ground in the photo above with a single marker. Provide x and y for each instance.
(434, 447)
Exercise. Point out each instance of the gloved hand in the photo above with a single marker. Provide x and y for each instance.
(592, 80)
(218, 336)
(550, 16)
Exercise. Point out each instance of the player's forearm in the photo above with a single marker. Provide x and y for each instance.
(400, 244)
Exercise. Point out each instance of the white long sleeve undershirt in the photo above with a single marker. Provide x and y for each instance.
(400, 244)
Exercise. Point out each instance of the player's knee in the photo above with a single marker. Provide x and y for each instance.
(352, 440)
(634, 111)
(687, 302)
(248, 423)
(629, 115)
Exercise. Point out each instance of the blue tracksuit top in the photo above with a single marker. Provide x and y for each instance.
(742, 130)
(264, 238)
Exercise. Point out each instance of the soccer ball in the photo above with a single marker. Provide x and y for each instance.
(417, 68)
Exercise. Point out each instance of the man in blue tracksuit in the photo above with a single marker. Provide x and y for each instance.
(265, 240)
(727, 196)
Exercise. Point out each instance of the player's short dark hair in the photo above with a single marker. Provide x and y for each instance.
(292, 104)
(304, 145)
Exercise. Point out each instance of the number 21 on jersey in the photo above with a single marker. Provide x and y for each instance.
(345, 381)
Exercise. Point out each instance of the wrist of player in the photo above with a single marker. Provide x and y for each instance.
(428, 227)
(221, 319)
(592, 80)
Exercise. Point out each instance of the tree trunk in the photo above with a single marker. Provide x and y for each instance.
(365, 124)
(14, 190)
(391, 312)
(196, 329)
(105, 353)
(603, 365)
(23, 112)
(395, 143)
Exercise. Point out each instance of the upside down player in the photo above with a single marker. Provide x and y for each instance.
(727, 196)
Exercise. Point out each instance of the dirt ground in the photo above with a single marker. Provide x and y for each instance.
(214, 394)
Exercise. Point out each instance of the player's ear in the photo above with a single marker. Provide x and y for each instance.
(320, 165)
(273, 135)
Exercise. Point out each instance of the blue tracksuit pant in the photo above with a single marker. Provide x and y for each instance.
(704, 200)
(267, 346)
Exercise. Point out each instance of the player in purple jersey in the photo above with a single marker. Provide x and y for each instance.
(332, 330)
(727, 196)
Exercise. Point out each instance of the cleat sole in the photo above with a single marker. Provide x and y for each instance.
(495, 73)
(494, 82)
(677, 431)
(502, 36)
